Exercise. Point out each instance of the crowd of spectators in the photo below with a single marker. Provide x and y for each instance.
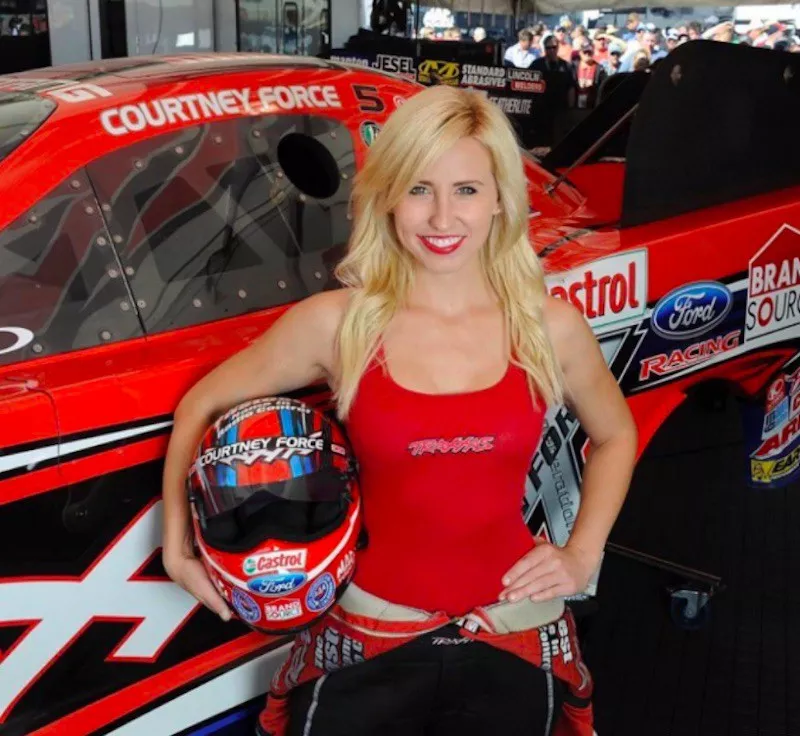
(588, 57)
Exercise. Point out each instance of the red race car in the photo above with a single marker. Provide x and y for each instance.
(159, 213)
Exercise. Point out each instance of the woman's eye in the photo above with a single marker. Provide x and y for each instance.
(418, 190)
(467, 190)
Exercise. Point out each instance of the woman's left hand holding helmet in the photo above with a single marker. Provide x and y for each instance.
(591, 392)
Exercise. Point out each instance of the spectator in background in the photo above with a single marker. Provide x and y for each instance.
(650, 45)
(614, 61)
(672, 38)
(641, 61)
(564, 46)
(631, 27)
(479, 34)
(601, 51)
(695, 31)
(559, 91)
(520, 54)
(589, 75)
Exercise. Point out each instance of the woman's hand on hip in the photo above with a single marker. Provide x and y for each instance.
(547, 572)
(188, 572)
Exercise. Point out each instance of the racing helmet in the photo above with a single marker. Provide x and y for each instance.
(276, 511)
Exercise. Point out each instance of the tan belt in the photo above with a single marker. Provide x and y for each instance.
(499, 618)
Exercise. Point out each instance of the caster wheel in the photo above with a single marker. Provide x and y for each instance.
(689, 612)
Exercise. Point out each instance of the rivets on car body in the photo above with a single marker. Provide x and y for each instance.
(37, 347)
(217, 139)
(281, 284)
(33, 219)
(279, 174)
(344, 175)
(106, 207)
(242, 294)
(75, 184)
(256, 134)
(125, 306)
(89, 210)
(317, 275)
(138, 164)
(105, 335)
(129, 271)
(101, 240)
(197, 303)
(302, 197)
(117, 239)
(113, 273)
(179, 150)
(333, 134)
(141, 303)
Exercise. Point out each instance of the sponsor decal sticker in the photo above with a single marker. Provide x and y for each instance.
(773, 288)
(513, 105)
(431, 71)
(457, 445)
(320, 593)
(333, 650)
(20, 337)
(275, 586)
(475, 75)
(403, 66)
(166, 111)
(345, 567)
(680, 358)
(282, 611)
(691, 310)
(268, 562)
(606, 291)
(264, 449)
(245, 606)
(368, 130)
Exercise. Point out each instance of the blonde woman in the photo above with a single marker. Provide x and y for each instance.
(444, 351)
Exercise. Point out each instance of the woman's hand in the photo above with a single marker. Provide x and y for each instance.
(188, 572)
(548, 571)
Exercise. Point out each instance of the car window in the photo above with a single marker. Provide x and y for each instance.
(20, 114)
(60, 283)
(221, 219)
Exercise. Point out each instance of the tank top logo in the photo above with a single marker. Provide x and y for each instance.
(442, 446)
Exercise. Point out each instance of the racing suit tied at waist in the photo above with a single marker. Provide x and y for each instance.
(362, 626)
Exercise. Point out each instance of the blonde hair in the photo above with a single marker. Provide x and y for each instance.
(381, 269)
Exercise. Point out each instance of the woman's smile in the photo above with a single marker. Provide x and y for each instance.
(442, 244)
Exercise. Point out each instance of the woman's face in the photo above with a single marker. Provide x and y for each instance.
(445, 217)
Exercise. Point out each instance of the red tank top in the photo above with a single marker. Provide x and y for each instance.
(442, 478)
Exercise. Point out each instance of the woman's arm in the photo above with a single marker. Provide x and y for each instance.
(594, 396)
(296, 351)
